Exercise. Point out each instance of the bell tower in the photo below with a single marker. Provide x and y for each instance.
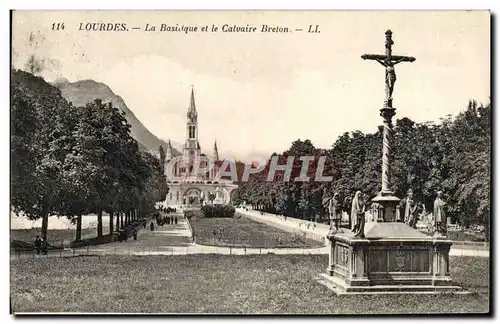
(191, 146)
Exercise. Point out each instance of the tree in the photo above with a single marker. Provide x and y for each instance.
(156, 188)
(39, 110)
(470, 165)
(162, 160)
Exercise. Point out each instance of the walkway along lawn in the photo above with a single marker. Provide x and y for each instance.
(54, 236)
(246, 232)
(258, 284)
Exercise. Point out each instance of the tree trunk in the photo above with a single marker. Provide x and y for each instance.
(118, 221)
(45, 223)
(111, 223)
(487, 227)
(122, 219)
(99, 222)
(78, 228)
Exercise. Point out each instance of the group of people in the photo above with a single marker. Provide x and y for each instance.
(166, 220)
(359, 206)
(168, 210)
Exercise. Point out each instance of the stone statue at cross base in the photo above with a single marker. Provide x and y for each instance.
(335, 213)
(440, 215)
(410, 209)
(358, 215)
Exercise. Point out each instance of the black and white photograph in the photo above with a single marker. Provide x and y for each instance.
(250, 162)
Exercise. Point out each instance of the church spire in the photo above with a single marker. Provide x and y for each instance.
(216, 152)
(192, 114)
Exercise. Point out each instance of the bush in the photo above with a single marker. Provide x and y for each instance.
(219, 211)
(193, 214)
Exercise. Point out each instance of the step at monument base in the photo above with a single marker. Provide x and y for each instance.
(340, 288)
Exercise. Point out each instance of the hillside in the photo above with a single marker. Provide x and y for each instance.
(81, 92)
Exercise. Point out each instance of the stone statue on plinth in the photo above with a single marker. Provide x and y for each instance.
(335, 212)
(410, 209)
(440, 215)
(358, 215)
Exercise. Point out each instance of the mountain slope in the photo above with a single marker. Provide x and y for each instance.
(82, 92)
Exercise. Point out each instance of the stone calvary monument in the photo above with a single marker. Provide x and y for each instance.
(387, 255)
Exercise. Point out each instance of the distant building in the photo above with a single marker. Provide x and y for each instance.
(188, 187)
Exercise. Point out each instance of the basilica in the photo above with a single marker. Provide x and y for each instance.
(188, 186)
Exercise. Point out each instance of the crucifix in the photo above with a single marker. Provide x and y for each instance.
(386, 198)
(388, 61)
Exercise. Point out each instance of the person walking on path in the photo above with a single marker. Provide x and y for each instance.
(38, 244)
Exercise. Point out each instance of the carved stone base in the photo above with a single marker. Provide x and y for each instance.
(393, 258)
(388, 204)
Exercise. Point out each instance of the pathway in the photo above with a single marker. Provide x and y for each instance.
(175, 240)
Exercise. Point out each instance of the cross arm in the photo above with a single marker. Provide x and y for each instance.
(402, 58)
(397, 58)
(373, 57)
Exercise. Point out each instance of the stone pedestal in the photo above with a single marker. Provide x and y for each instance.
(393, 258)
(388, 204)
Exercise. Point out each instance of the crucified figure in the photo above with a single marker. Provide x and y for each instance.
(388, 61)
(390, 76)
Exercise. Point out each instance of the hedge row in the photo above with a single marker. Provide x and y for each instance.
(219, 211)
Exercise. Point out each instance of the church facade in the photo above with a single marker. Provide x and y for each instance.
(192, 176)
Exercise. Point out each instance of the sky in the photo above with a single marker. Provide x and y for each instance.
(258, 92)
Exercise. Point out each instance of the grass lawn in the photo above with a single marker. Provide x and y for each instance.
(246, 232)
(54, 236)
(461, 236)
(261, 284)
